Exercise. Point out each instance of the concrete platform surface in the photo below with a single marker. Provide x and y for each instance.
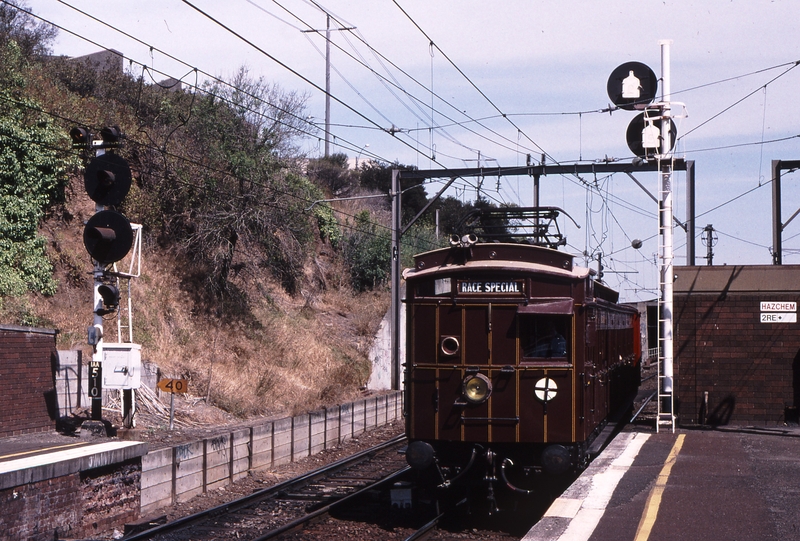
(14, 447)
(732, 483)
(37, 459)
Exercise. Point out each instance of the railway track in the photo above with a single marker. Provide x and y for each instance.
(288, 506)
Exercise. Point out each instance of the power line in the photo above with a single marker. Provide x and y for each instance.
(505, 116)
(394, 83)
(290, 69)
(737, 102)
(203, 166)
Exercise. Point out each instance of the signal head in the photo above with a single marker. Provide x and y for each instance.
(81, 137)
(111, 136)
(110, 296)
(107, 179)
(108, 236)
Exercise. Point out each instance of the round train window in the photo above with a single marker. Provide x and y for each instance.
(450, 345)
(545, 389)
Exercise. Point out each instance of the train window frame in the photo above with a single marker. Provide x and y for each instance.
(534, 332)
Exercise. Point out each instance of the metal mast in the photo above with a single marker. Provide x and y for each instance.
(666, 414)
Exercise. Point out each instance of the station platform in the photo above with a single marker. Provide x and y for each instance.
(37, 457)
(730, 483)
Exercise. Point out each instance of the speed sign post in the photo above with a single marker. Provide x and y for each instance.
(172, 386)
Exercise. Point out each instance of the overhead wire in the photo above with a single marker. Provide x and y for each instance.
(430, 90)
(291, 70)
(342, 142)
(204, 166)
(349, 29)
(377, 127)
(464, 75)
(737, 102)
(166, 54)
(288, 68)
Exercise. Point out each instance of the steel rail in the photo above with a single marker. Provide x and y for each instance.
(301, 522)
(426, 530)
(266, 493)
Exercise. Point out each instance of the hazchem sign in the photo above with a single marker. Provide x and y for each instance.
(767, 306)
(778, 312)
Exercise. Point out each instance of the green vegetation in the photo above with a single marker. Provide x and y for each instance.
(266, 271)
(32, 178)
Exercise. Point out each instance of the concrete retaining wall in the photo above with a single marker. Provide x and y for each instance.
(72, 386)
(179, 473)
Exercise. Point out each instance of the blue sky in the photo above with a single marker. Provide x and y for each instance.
(542, 64)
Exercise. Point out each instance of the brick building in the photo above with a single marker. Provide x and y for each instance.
(28, 400)
(737, 344)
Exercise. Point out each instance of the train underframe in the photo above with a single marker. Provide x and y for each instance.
(494, 475)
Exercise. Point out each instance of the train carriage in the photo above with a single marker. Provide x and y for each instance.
(515, 360)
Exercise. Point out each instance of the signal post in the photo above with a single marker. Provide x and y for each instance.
(108, 237)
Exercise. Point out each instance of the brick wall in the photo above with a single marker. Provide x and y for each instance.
(750, 369)
(110, 496)
(39, 511)
(27, 387)
(79, 504)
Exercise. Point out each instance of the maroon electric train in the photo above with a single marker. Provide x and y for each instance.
(516, 358)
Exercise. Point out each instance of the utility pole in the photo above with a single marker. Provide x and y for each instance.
(328, 86)
(397, 226)
(328, 79)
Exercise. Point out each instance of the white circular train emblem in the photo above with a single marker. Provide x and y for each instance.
(545, 389)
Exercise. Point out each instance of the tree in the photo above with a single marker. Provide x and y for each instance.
(238, 187)
(368, 253)
(32, 178)
(33, 37)
(332, 173)
(453, 212)
(377, 175)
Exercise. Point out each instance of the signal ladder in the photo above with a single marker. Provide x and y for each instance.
(665, 412)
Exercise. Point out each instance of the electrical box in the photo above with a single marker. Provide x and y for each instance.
(122, 365)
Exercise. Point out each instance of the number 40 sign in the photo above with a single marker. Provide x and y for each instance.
(173, 385)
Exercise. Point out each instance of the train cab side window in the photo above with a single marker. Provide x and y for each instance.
(543, 336)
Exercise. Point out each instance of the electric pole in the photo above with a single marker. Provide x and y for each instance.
(328, 79)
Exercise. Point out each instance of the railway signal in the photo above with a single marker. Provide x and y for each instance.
(651, 136)
(108, 236)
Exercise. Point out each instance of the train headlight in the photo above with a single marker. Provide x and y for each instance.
(476, 389)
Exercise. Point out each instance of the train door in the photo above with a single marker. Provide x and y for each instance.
(547, 355)
(589, 376)
(477, 389)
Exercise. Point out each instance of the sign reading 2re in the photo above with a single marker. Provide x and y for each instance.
(778, 312)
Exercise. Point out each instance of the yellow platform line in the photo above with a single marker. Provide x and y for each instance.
(42, 450)
(654, 498)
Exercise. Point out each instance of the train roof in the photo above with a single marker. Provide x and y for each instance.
(497, 256)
